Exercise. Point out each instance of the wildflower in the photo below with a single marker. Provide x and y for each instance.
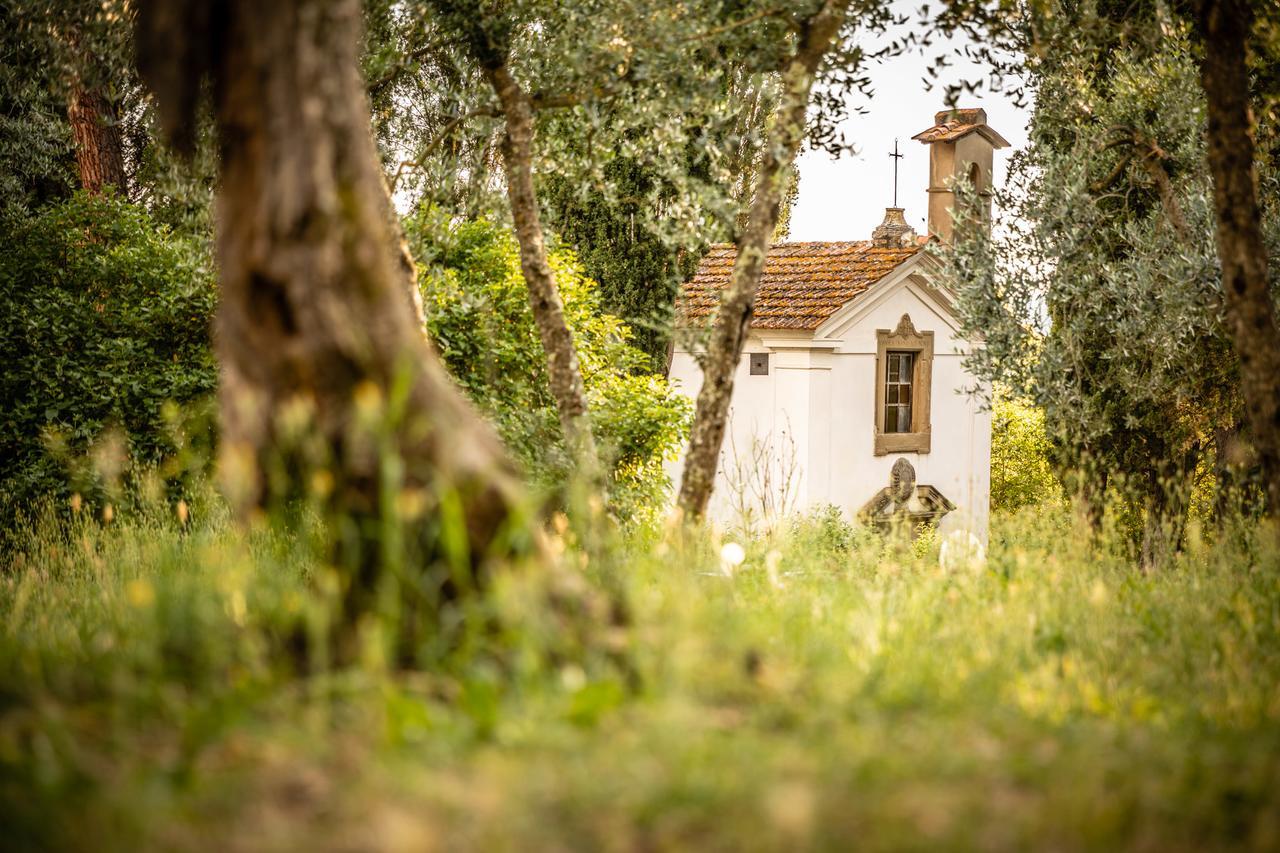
(731, 556)
(368, 398)
(411, 503)
(560, 523)
(573, 678)
(140, 593)
(321, 483)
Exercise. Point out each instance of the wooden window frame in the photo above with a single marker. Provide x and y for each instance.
(905, 379)
(905, 338)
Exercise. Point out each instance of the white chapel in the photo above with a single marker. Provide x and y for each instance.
(852, 389)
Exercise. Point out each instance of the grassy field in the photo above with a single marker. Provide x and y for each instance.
(833, 691)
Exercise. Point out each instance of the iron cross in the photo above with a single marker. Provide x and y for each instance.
(896, 157)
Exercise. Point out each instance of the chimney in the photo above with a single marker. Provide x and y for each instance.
(961, 147)
(894, 232)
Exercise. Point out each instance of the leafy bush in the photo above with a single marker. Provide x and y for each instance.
(104, 319)
(1021, 474)
(478, 315)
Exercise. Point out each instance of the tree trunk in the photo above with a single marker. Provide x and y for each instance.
(402, 257)
(1251, 317)
(99, 146)
(1228, 454)
(730, 330)
(563, 372)
(329, 390)
(1167, 503)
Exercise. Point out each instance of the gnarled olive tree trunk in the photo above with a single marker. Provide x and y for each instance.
(485, 32)
(736, 304)
(563, 372)
(1251, 317)
(329, 389)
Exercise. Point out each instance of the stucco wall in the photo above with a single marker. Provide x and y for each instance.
(817, 406)
(947, 160)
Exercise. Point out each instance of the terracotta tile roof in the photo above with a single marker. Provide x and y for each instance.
(803, 283)
(951, 125)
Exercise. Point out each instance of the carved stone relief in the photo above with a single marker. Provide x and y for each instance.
(904, 502)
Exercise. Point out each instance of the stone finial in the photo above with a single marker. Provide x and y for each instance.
(893, 232)
(902, 481)
(972, 115)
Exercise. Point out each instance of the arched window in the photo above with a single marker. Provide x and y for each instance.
(973, 208)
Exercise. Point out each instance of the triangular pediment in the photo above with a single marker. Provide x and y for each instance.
(937, 308)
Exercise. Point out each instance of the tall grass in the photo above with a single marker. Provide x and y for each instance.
(833, 690)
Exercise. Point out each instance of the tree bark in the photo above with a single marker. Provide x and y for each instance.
(563, 372)
(734, 318)
(99, 145)
(402, 257)
(1251, 317)
(329, 391)
(1166, 505)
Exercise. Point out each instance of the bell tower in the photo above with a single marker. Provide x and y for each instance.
(961, 147)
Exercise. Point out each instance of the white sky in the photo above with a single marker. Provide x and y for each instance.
(844, 199)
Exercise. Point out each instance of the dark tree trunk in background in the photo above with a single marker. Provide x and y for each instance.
(563, 372)
(734, 318)
(1167, 503)
(329, 389)
(99, 145)
(1251, 317)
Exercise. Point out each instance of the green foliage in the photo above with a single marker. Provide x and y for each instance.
(47, 50)
(1093, 300)
(36, 162)
(1021, 472)
(828, 687)
(104, 322)
(650, 123)
(478, 315)
(620, 223)
(176, 192)
(831, 531)
(639, 272)
(50, 49)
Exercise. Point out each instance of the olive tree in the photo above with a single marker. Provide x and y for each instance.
(817, 38)
(603, 102)
(329, 390)
(1234, 47)
(1099, 294)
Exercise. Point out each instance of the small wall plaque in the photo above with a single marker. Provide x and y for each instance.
(759, 364)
